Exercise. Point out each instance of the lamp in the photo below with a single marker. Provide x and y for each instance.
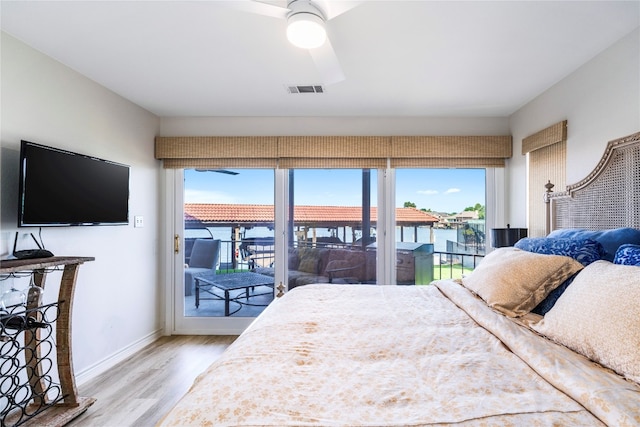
(305, 27)
(502, 237)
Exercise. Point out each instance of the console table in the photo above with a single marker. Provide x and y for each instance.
(42, 401)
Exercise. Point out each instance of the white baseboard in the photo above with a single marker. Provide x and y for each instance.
(109, 362)
(224, 331)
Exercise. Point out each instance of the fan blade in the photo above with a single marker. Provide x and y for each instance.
(259, 8)
(327, 63)
(228, 172)
(332, 9)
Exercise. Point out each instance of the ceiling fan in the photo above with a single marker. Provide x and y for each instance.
(306, 21)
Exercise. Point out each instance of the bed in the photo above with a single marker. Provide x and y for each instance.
(545, 333)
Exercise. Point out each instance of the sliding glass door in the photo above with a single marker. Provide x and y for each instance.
(244, 236)
(332, 226)
(226, 233)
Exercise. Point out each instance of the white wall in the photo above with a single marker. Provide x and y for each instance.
(600, 101)
(118, 297)
(370, 126)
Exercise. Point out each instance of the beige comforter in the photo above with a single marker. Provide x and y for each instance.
(356, 355)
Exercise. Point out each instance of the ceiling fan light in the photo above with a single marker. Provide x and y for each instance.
(306, 30)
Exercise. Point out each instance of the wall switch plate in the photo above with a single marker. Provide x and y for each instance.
(138, 221)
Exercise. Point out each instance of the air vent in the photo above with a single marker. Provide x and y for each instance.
(305, 89)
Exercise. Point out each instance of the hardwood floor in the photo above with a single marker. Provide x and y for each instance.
(141, 389)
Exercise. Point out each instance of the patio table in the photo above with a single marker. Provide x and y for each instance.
(206, 282)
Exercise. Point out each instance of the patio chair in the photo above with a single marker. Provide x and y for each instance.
(343, 271)
(258, 251)
(205, 256)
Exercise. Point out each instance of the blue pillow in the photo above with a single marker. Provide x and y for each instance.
(585, 251)
(628, 255)
(609, 239)
(548, 303)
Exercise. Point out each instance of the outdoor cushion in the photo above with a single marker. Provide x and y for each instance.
(351, 262)
(309, 264)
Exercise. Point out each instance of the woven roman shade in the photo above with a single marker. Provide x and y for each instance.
(328, 163)
(463, 163)
(547, 155)
(551, 135)
(450, 151)
(224, 163)
(354, 152)
(217, 151)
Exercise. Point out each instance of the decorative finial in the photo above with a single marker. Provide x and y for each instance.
(549, 186)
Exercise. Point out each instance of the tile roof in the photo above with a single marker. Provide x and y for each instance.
(316, 216)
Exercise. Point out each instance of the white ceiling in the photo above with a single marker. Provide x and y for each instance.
(400, 58)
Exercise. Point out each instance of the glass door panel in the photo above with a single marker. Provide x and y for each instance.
(440, 223)
(228, 242)
(332, 226)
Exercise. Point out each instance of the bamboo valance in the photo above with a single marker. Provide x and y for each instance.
(288, 152)
(334, 147)
(446, 162)
(215, 147)
(548, 136)
(450, 151)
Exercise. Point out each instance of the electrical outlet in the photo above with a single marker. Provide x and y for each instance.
(138, 221)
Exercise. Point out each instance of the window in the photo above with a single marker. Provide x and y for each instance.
(332, 226)
(439, 211)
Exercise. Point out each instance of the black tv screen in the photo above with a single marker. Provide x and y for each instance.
(62, 188)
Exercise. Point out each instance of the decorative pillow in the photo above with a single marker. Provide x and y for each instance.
(585, 251)
(514, 281)
(627, 255)
(598, 317)
(609, 239)
(309, 264)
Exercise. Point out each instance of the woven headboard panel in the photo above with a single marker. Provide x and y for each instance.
(609, 197)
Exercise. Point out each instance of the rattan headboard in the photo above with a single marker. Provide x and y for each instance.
(609, 197)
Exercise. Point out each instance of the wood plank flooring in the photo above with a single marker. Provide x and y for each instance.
(140, 390)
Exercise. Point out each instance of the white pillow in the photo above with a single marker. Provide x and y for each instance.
(514, 281)
(599, 316)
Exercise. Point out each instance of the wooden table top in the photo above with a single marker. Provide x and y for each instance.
(16, 265)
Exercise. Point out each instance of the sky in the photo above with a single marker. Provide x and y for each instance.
(441, 190)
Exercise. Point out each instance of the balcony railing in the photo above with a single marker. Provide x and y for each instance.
(454, 265)
(446, 265)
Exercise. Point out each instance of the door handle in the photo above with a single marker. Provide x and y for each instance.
(176, 244)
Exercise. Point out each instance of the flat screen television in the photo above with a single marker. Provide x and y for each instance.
(62, 188)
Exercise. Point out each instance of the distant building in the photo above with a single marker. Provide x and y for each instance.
(442, 219)
(461, 218)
